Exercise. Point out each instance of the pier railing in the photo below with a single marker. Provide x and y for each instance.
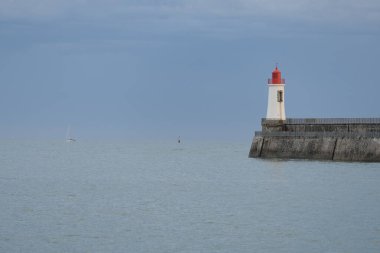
(319, 134)
(310, 121)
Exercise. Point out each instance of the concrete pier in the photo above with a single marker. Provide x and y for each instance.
(340, 139)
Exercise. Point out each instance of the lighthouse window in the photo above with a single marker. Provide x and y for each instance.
(280, 96)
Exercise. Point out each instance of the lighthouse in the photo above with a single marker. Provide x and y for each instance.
(276, 96)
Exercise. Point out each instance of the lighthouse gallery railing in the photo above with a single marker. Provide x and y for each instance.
(270, 81)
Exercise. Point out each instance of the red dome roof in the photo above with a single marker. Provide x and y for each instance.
(276, 77)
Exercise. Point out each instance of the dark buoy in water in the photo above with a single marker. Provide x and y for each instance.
(179, 139)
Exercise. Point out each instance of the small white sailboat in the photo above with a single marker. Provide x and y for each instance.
(68, 137)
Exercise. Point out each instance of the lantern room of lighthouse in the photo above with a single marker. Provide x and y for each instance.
(276, 96)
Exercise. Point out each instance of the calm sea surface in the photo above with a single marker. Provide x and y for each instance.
(189, 197)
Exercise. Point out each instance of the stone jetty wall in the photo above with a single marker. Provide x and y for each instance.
(319, 139)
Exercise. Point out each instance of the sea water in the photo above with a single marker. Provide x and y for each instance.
(123, 196)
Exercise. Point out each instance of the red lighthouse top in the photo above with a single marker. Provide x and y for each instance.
(276, 77)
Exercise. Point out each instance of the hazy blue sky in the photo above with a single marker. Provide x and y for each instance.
(162, 68)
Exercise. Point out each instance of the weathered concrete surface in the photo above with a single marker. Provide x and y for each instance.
(298, 147)
(314, 148)
(354, 140)
(358, 149)
(256, 147)
(293, 147)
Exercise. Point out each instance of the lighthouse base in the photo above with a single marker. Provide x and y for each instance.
(319, 139)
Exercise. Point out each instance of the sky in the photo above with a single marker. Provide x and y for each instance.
(157, 69)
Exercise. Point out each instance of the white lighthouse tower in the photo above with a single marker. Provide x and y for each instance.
(276, 97)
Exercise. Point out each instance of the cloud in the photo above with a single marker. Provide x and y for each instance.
(209, 17)
(367, 10)
(34, 8)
